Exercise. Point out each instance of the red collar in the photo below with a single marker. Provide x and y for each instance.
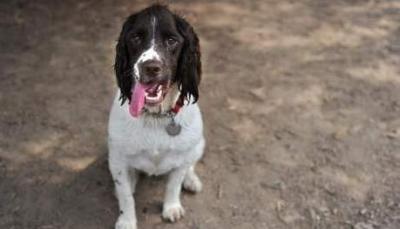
(178, 105)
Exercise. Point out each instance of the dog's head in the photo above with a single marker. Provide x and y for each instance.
(157, 59)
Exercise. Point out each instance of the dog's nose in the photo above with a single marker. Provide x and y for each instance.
(151, 69)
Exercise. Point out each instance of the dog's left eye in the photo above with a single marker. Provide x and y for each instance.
(171, 41)
(136, 40)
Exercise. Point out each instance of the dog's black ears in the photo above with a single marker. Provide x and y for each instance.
(188, 73)
(121, 66)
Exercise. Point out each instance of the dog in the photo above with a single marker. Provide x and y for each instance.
(155, 124)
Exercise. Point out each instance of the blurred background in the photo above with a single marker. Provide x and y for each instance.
(301, 103)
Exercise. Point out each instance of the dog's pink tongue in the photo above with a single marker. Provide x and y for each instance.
(137, 99)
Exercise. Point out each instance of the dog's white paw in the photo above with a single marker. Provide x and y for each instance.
(192, 183)
(125, 222)
(173, 212)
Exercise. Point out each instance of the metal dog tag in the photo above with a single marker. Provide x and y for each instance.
(173, 128)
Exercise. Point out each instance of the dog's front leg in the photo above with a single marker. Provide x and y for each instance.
(124, 187)
(172, 208)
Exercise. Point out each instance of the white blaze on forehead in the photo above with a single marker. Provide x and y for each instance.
(149, 54)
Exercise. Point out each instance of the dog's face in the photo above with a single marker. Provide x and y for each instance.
(156, 50)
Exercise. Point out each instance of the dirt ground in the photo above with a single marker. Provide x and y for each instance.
(301, 103)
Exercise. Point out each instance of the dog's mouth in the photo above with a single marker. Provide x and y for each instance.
(155, 94)
(146, 95)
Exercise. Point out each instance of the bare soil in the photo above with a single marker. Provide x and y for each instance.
(301, 103)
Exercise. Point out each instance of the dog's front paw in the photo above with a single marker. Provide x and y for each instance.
(125, 222)
(173, 212)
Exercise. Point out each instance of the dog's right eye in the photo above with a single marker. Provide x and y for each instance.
(136, 40)
(171, 41)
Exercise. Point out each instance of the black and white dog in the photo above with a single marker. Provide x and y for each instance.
(155, 124)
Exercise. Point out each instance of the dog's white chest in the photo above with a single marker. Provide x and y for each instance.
(148, 147)
(155, 157)
(155, 162)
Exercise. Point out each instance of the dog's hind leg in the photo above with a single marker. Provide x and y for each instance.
(192, 182)
(134, 175)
